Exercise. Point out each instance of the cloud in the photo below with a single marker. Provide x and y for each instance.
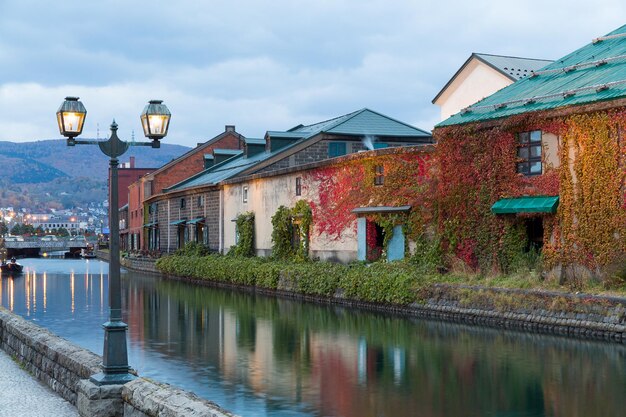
(261, 65)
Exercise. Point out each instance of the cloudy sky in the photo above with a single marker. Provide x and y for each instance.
(262, 65)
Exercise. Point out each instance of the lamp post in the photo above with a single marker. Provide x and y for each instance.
(155, 120)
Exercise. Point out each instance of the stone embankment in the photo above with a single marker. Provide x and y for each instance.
(569, 314)
(65, 368)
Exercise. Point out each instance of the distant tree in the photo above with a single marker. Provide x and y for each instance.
(4, 229)
(18, 229)
(62, 232)
(29, 229)
(39, 231)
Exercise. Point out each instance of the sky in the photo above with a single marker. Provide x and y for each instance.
(261, 65)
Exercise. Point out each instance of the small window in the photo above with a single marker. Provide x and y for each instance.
(379, 175)
(380, 145)
(336, 149)
(244, 194)
(529, 153)
(200, 201)
(298, 186)
(182, 203)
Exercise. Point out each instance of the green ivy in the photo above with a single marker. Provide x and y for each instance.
(284, 223)
(282, 230)
(245, 232)
(193, 249)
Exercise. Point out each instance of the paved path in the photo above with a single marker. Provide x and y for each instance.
(21, 395)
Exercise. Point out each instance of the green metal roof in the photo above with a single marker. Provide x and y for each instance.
(593, 73)
(526, 205)
(364, 122)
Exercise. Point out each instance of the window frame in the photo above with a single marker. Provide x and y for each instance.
(525, 159)
(298, 186)
(244, 194)
(334, 150)
(379, 175)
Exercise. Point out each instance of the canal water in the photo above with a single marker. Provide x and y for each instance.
(260, 356)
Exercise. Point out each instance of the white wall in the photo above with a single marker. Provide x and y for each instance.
(475, 82)
(264, 197)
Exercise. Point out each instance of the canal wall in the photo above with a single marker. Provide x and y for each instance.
(562, 313)
(137, 264)
(66, 368)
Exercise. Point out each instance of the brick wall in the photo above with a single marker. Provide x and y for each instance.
(193, 162)
(212, 202)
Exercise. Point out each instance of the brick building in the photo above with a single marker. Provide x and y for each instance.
(127, 174)
(192, 210)
(188, 164)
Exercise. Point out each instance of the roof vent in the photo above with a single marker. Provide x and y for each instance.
(568, 94)
(230, 128)
(602, 88)
(499, 106)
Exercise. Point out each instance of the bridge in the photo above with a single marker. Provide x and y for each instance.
(37, 246)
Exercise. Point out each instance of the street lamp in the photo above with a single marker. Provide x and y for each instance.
(155, 120)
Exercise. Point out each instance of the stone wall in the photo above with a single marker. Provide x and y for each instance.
(140, 264)
(49, 358)
(66, 369)
(144, 398)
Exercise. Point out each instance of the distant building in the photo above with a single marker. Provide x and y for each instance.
(480, 76)
(188, 164)
(200, 209)
(127, 174)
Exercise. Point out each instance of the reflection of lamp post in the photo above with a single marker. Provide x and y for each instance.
(155, 120)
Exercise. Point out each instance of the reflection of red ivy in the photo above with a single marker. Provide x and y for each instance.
(350, 184)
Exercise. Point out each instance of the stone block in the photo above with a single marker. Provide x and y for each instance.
(99, 401)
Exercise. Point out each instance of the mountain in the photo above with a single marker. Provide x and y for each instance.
(50, 174)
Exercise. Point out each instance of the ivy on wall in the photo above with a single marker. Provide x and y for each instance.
(287, 222)
(477, 166)
(350, 184)
(245, 235)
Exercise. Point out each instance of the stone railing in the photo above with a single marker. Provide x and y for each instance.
(49, 358)
(65, 368)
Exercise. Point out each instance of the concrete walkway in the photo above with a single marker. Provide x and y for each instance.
(21, 395)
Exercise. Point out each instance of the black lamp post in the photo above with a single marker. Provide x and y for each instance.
(155, 120)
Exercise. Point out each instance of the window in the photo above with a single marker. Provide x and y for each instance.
(182, 203)
(244, 194)
(379, 175)
(199, 201)
(336, 149)
(529, 153)
(380, 145)
(298, 185)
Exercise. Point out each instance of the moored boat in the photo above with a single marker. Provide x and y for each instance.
(11, 267)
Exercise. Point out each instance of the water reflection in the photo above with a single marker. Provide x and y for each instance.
(260, 356)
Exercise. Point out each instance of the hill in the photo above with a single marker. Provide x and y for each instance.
(49, 174)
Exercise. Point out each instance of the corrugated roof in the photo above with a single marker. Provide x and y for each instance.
(364, 122)
(581, 77)
(514, 67)
(359, 123)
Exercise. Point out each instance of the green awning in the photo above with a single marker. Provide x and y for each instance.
(177, 222)
(526, 205)
(194, 221)
(150, 224)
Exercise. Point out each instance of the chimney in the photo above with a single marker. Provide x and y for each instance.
(230, 128)
(132, 162)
